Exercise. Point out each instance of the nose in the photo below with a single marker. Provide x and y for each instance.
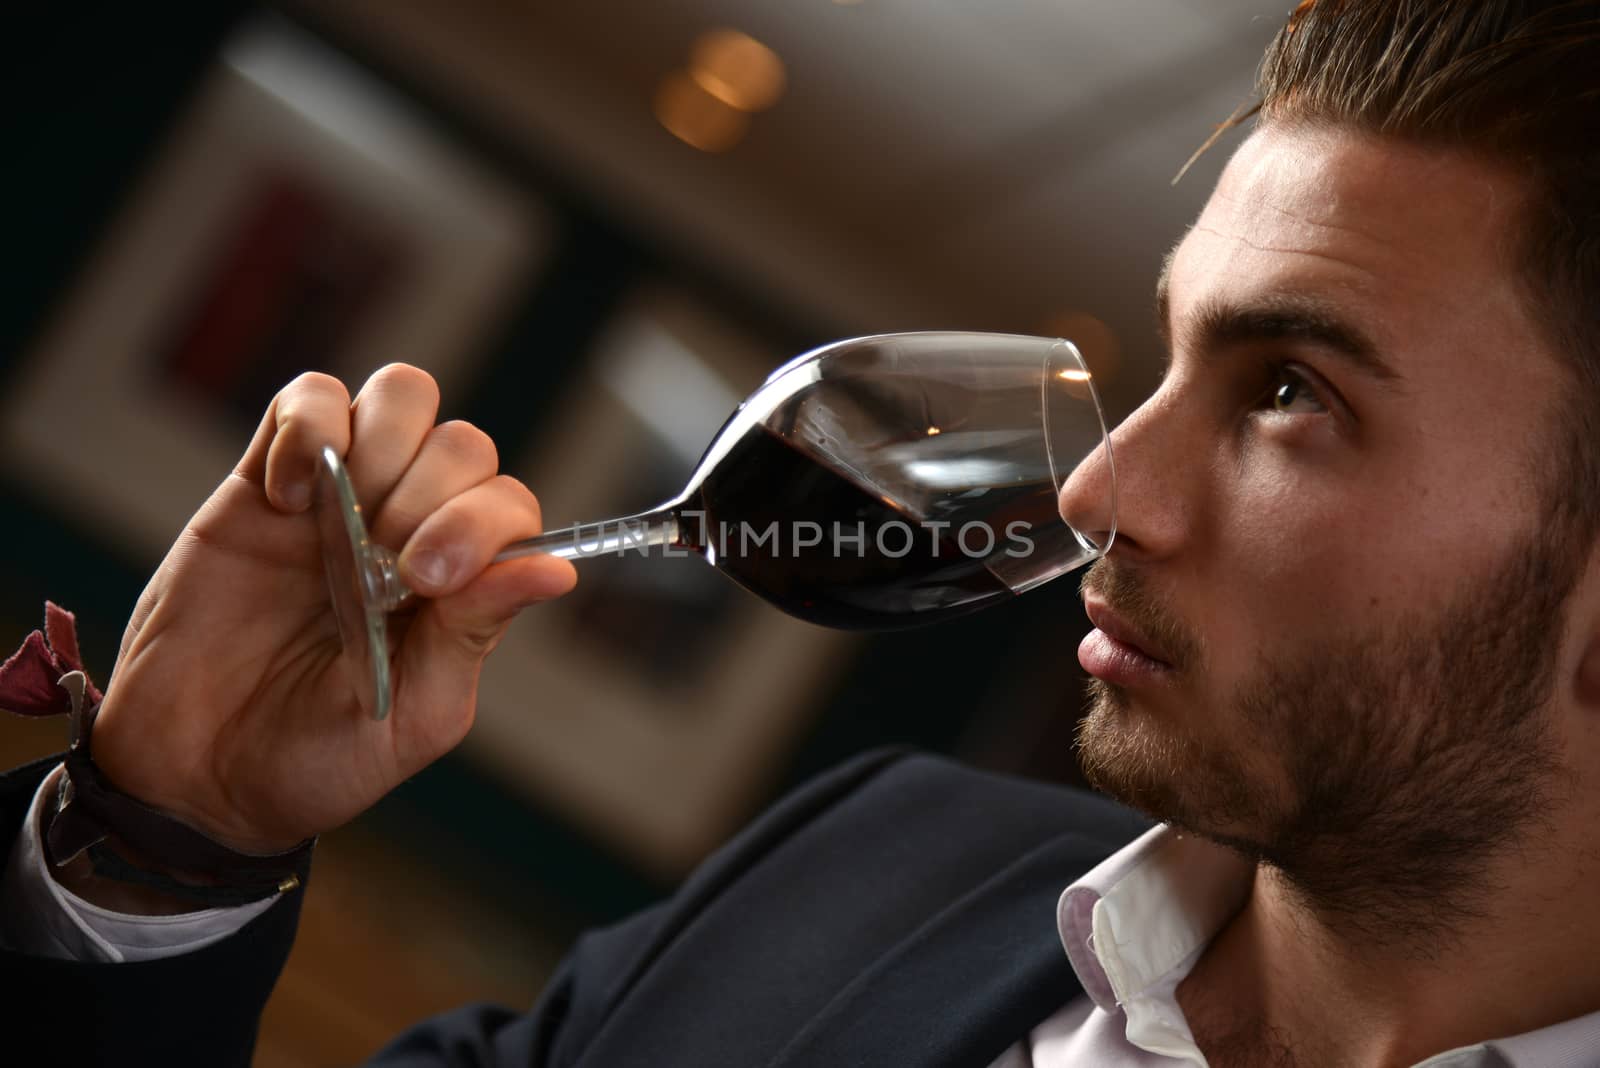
(1088, 499)
(1147, 503)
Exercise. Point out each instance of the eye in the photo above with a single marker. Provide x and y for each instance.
(1292, 392)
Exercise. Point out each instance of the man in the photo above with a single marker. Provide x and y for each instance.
(1347, 651)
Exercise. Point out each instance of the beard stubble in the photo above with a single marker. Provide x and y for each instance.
(1379, 774)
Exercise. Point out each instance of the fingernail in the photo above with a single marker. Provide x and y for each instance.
(431, 568)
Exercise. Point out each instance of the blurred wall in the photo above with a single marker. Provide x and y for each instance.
(155, 165)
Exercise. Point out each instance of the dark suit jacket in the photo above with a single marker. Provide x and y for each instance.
(899, 911)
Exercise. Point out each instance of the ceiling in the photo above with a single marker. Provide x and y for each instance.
(979, 164)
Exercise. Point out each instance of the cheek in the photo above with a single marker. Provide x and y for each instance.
(1309, 554)
(1298, 562)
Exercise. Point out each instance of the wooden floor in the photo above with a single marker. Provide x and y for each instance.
(386, 939)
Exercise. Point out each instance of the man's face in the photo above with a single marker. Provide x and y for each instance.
(1328, 517)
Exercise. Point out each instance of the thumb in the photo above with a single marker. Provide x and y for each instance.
(438, 664)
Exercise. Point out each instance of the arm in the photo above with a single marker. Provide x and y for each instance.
(607, 965)
(79, 919)
(600, 971)
(229, 708)
(174, 1011)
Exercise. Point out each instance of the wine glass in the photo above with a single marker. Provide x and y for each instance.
(873, 483)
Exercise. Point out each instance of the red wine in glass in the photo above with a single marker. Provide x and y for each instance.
(879, 482)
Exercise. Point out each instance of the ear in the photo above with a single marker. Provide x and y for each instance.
(1585, 618)
(1588, 680)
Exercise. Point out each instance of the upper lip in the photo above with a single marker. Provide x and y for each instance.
(1115, 627)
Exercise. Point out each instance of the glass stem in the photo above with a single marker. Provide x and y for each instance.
(647, 530)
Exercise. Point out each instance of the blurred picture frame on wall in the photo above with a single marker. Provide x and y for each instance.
(302, 215)
(655, 706)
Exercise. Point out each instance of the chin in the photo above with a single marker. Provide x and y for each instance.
(1157, 768)
(1126, 756)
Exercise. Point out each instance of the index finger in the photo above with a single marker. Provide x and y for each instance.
(308, 413)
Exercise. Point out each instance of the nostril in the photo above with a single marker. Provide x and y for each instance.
(1086, 503)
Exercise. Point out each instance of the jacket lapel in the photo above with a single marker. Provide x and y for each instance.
(966, 985)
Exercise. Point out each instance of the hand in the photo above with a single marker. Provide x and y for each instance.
(230, 707)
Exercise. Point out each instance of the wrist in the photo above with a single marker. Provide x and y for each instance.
(127, 840)
(95, 834)
(135, 765)
(137, 757)
(79, 878)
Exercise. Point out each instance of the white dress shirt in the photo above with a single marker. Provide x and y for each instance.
(64, 925)
(1132, 928)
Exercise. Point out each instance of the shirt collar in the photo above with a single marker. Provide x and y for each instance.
(1147, 908)
(1136, 923)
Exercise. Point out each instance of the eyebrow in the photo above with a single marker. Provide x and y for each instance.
(1298, 318)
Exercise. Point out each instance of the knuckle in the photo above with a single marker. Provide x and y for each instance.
(312, 386)
(399, 520)
(509, 484)
(406, 379)
(478, 639)
(513, 488)
(468, 444)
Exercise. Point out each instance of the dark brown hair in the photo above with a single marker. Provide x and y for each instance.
(1514, 81)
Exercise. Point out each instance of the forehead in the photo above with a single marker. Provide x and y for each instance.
(1414, 242)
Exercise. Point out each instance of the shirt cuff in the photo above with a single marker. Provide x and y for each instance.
(47, 920)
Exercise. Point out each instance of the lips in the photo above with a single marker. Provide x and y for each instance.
(1123, 633)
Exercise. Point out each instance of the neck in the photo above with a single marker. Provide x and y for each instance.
(1340, 988)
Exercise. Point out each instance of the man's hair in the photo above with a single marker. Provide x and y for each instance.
(1511, 81)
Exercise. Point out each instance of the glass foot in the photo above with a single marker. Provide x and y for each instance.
(363, 582)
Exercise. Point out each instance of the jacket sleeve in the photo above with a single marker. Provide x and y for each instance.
(492, 1036)
(197, 1008)
(604, 964)
(204, 1007)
